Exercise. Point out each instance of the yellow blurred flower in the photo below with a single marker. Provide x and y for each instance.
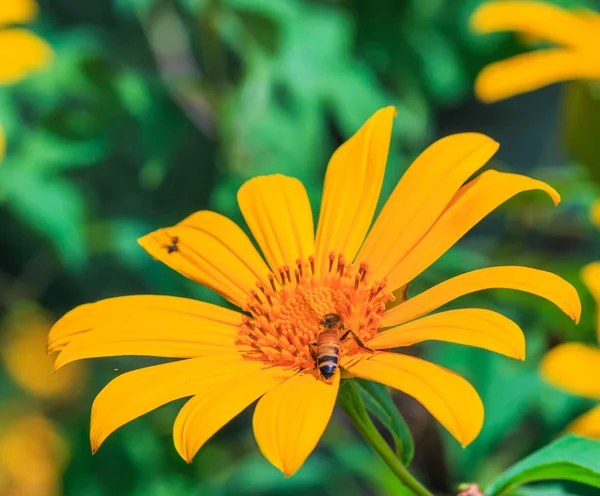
(351, 269)
(21, 51)
(22, 350)
(577, 55)
(33, 454)
(575, 367)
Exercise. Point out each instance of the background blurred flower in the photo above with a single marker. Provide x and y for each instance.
(33, 453)
(575, 367)
(21, 51)
(22, 348)
(577, 35)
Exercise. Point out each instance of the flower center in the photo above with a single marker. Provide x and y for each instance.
(285, 317)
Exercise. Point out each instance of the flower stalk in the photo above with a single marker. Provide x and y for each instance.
(350, 401)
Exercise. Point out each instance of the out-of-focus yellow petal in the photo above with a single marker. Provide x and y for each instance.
(21, 52)
(538, 282)
(421, 196)
(595, 213)
(277, 210)
(590, 275)
(471, 204)
(351, 190)
(135, 315)
(587, 425)
(17, 11)
(290, 419)
(2, 144)
(211, 250)
(574, 367)
(211, 408)
(539, 19)
(447, 396)
(470, 326)
(136, 393)
(534, 70)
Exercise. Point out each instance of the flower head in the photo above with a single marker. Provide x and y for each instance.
(575, 367)
(349, 268)
(576, 35)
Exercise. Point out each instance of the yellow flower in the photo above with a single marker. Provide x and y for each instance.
(33, 453)
(21, 51)
(577, 55)
(24, 333)
(233, 358)
(575, 367)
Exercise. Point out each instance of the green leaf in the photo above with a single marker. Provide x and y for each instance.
(569, 458)
(379, 402)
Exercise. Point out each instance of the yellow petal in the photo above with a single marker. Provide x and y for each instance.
(470, 326)
(211, 408)
(447, 396)
(590, 274)
(539, 19)
(211, 250)
(21, 52)
(351, 190)
(17, 11)
(595, 213)
(574, 367)
(2, 144)
(277, 210)
(140, 313)
(538, 282)
(471, 204)
(421, 196)
(290, 419)
(136, 393)
(587, 425)
(534, 70)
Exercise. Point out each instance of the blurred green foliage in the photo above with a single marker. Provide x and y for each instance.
(154, 109)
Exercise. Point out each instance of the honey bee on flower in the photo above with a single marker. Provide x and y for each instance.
(349, 268)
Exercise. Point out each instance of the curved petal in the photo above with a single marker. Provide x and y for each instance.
(144, 313)
(574, 367)
(211, 250)
(277, 210)
(136, 393)
(447, 396)
(471, 204)
(587, 425)
(351, 189)
(421, 196)
(17, 11)
(22, 52)
(470, 326)
(539, 19)
(210, 409)
(534, 281)
(590, 275)
(289, 420)
(534, 70)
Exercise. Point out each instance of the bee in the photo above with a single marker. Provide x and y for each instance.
(328, 344)
(173, 246)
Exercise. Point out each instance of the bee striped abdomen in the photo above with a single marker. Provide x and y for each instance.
(328, 354)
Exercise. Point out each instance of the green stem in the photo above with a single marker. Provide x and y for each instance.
(351, 402)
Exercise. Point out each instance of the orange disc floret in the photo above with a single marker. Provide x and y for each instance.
(285, 317)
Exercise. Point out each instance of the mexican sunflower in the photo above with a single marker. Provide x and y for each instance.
(576, 54)
(575, 367)
(21, 51)
(264, 352)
